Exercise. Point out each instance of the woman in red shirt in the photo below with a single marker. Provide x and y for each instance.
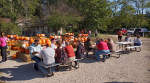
(70, 52)
(102, 49)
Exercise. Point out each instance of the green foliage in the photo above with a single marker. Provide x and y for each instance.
(10, 28)
(96, 13)
(18, 8)
(56, 20)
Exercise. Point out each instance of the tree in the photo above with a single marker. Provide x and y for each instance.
(96, 13)
(10, 28)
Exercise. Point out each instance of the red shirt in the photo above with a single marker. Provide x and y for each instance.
(102, 46)
(120, 33)
(70, 51)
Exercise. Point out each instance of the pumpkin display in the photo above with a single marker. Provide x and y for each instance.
(14, 56)
(27, 38)
(31, 40)
(9, 36)
(51, 37)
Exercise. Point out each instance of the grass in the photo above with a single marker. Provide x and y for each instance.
(104, 36)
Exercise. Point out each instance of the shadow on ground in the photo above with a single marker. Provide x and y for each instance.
(23, 72)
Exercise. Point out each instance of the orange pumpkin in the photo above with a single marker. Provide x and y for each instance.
(8, 36)
(31, 40)
(26, 38)
(14, 56)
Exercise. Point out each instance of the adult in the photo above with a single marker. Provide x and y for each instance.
(128, 38)
(3, 46)
(111, 45)
(35, 50)
(120, 34)
(89, 33)
(88, 45)
(70, 52)
(137, 41)
(53, 43)
(48, 58)
(58, 52)
(102, 49)
(96, 33)
(80, 50)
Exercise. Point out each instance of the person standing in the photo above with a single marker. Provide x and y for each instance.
(96, 33)
(3, 46)
(120, 34)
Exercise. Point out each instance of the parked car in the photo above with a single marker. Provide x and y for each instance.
(137, 31)
(140, 31)
(131, 31)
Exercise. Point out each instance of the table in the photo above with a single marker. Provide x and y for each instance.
(123, 45)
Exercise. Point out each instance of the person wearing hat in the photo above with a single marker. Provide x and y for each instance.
(35, 50)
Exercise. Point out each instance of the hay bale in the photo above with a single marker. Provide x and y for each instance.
(24, 57)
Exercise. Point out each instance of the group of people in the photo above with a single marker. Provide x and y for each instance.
(63, 52)
(137, 41)
(58, 52)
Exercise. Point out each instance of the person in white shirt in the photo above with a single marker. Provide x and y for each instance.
(48, 58)
(53, 43)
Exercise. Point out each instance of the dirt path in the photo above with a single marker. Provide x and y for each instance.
(132, 68)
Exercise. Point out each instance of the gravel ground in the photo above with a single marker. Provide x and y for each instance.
(132, 68)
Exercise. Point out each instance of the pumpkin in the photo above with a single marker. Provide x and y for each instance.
(8, 36)
(31, 40)
(26, 38)
(14, 56)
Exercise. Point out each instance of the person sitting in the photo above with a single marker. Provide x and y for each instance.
(48, 58)
(137, 41)
(111, 45)
(80, 50)
(127, 38)
(53, 43)
(102, 49)
(70, 51)
(88, 45)
(58, 52)
(71, 55)
(35, 50)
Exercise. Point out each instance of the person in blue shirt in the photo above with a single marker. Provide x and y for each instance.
(137, 41)
(35, 50)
